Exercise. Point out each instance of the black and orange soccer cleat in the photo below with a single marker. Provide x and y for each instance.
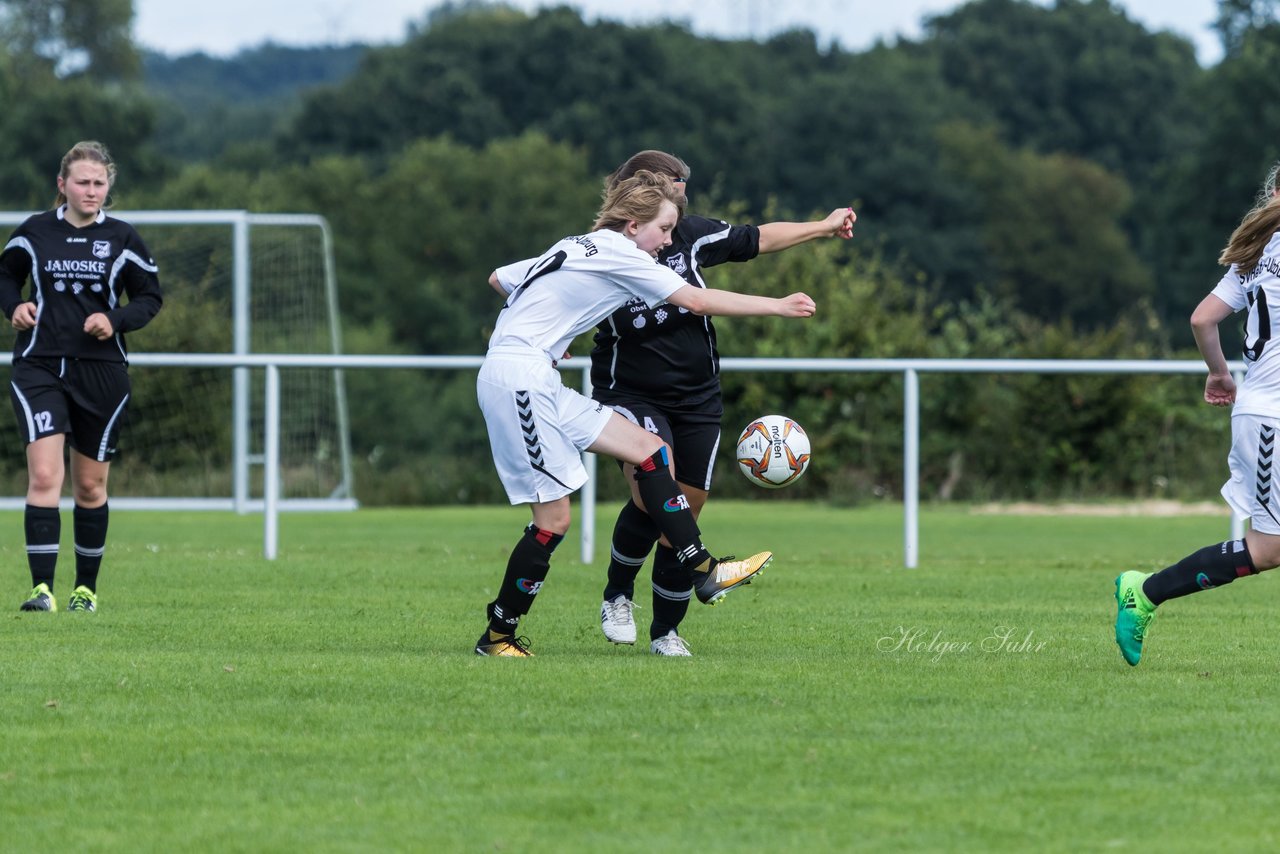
(491, 643)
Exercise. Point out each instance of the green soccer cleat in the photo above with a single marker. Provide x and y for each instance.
(41, 599)
(83, 599)
(1133, 615)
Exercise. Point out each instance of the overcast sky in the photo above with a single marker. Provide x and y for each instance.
(223, 27)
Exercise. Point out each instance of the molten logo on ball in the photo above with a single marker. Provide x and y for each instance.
(773, 451)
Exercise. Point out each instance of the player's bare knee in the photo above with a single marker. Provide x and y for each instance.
(648, 446)
(554, 517)
(90, 495)
(45, 479)
(1264, 550)
(556, 525)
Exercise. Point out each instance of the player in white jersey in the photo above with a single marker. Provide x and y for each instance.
(538, 427)
(1252, 282)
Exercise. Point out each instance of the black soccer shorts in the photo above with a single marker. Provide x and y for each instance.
(85, 398)
(692, 431)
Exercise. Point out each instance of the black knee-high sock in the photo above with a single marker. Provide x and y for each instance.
(1212, 566)
(90, 527)
(633, 537)
(669, 510)
(672, 587)
(527, 568)
(43, 526)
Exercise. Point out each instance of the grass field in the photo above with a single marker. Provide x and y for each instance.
(330, 700)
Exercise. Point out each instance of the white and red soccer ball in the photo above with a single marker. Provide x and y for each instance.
(773, 451)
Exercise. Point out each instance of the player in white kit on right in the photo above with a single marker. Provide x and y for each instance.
(538, 427)
(1251, 283)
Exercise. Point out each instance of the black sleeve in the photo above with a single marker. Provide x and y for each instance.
(141, 281)
(716, 241)
(15, 267)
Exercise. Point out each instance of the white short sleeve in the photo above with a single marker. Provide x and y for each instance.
(650, 281)
(1230, 289)
(511, 275)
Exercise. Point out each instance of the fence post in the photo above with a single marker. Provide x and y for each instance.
(240, 375)
(271, 466)
(911, 468)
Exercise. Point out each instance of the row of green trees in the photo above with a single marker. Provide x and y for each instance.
(1030, 182)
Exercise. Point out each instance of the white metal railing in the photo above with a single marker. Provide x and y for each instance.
(912, 368)
(909, 368)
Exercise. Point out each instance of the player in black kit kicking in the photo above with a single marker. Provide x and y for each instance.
(659, 366)
(70, 374)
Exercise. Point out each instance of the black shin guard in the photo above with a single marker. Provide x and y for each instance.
(633, 537)
(43, 528)
(527, 569)
(672, 589)
(90, 525)
(1212, 566)
(669, 509)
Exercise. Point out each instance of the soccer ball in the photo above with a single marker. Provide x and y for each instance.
(773, 451)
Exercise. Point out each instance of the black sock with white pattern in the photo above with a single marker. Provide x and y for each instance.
(633, 537)
(1212, 566)
(43, 528)
(527, 569)
(669, 510)
(90, 526)
(672, 589)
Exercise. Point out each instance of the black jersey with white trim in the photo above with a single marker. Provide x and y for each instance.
(76, 272)
(667, 353)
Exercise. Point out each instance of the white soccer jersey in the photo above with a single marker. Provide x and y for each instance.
(572, 287)
(1259, 291)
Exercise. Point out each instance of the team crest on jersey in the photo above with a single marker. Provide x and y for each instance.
(101, 248)
(676, 262)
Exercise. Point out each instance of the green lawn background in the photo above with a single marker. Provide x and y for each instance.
(330, 700)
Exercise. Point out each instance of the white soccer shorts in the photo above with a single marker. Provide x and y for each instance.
(1252, 491)
(537, 427)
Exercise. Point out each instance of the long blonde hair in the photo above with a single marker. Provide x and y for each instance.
(86, 150)
(638, 198)
(1255, 231)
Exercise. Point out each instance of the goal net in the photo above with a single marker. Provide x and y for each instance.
(234, 283)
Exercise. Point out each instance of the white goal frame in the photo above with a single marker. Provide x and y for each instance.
(241, 224)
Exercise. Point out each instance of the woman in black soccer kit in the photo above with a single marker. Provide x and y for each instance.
(69, 374)
(660, 367)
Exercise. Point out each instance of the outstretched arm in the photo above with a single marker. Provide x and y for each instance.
(1220, 387)
(777, 236)
(709, 301)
